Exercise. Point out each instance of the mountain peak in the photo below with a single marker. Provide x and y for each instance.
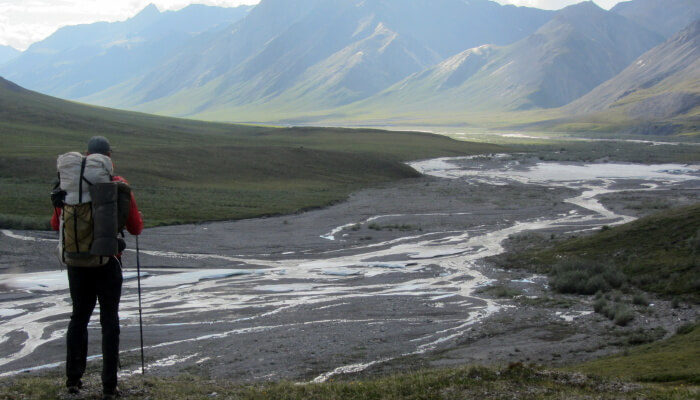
(584, 8)
(149, 11)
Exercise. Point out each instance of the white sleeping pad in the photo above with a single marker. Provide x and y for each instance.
(98, 169)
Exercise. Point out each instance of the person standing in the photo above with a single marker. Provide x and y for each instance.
(89, 285)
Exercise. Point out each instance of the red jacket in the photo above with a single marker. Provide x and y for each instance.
(134, 223)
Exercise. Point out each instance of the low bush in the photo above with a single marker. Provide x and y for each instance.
(640, 299)
(623, 315)
(619, 313)
(578, 276)
(644, 336)
(600, 305)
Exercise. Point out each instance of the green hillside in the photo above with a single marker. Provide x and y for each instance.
(187, 171)
(657, 254)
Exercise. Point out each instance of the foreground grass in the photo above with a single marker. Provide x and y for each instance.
(668, 369)
(513, 382)
(190, 171)
(676, 360)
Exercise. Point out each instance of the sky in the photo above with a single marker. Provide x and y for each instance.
(23, 22)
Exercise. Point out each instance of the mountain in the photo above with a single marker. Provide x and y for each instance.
(79, 60)
(8, 53)
(665, 17)
(581, 47)
(662, 83)
(318, 54)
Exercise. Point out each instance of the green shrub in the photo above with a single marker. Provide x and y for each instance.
(623, 315)
(640, 299)
(578, 276)
(676, 302)
(619, 313)
(643, 336)
(600, 305)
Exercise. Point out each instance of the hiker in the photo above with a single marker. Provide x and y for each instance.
(91, 278)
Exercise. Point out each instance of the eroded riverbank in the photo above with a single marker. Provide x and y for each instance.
(394, 275)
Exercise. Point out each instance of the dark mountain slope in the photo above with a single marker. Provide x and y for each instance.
(581, 47)
(662, 83)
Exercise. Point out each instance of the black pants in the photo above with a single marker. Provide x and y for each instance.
(87, 286)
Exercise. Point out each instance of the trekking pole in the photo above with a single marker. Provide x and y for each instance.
(138, 279)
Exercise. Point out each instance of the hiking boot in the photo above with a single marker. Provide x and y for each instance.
(74, 386)
(110, 394)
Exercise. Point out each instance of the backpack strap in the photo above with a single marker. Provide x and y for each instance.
(82, 178)
(80, 181)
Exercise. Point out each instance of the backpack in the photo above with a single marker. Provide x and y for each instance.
(95, 209)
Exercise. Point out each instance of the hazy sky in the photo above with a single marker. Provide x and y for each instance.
(23, 22)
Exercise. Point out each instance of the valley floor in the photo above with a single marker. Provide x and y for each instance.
(395, 278)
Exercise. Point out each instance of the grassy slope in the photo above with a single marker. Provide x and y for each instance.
(674, 360)
(186, 171)
(658, 253)
(513, 382)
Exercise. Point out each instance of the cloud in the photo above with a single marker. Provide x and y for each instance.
(23, 22)
(556, 4)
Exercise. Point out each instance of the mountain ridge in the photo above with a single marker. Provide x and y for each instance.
(558, 63)
(663, 84)
(378, 60)
(238, 75)
(79, 60)
(666, 17)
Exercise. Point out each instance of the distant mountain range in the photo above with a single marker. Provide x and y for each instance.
(77, 61)
(318, 54)
(324, 59)
(578, 49)
(8, 53)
